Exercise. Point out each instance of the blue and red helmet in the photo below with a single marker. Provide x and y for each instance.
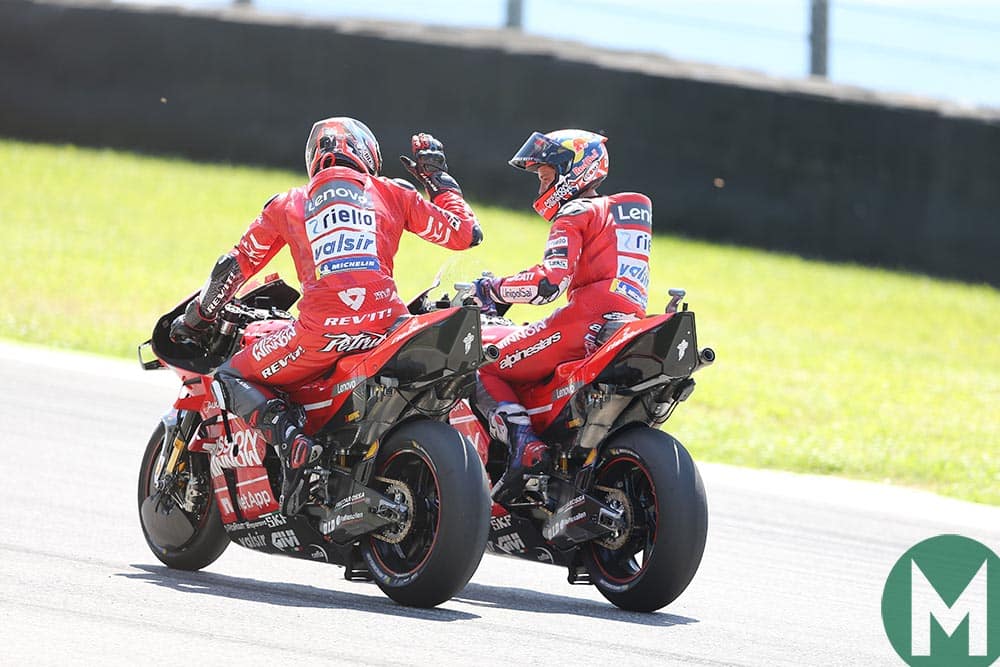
(342, 141)
(579, 158)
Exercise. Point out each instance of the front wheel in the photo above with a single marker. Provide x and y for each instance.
(180, 521)
(652, 478)
(430, 555)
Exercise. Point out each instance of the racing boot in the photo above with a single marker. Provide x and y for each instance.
(528, 455)
(294, 456)
(295, 451)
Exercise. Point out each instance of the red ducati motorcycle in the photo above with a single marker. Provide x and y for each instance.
(624, 507)
(398, 495)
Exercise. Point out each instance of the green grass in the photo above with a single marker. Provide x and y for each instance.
(822, 368)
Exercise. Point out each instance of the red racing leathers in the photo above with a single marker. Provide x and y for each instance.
(598, 253)
(343, 231)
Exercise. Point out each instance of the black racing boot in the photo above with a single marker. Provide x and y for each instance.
(528, 454)
(295, 451)
(295, 456)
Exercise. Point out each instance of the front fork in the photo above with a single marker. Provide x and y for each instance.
(178, 430)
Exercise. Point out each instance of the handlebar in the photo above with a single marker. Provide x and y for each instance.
(240, 314)
(233, 318)
(464, 291)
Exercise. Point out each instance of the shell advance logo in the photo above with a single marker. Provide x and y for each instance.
(342, 232)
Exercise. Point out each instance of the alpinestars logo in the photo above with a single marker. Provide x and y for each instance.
(517, 356)
(353, 298)
(681, 349)
(435, 231)
(498, 428)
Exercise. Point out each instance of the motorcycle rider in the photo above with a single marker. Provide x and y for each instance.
(343, 229)
(597, 252)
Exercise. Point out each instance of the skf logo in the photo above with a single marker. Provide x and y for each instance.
(941, 603)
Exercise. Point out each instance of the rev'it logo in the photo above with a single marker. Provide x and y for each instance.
(353, 297)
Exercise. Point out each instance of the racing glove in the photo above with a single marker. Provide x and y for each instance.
(191, 327)
(429, 165)
(484, 295)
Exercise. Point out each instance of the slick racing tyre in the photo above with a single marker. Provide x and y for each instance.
(432, 553)
(649, 475)
(181, 524)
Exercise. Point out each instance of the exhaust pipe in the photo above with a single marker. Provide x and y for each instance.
(491, 352)
(706, 357)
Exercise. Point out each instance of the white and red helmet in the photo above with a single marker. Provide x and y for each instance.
(579, 158)
(342, 141)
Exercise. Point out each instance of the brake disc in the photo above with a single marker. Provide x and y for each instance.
(617, 500)
(400, 493)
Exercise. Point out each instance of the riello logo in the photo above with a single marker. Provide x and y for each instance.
(941, 604)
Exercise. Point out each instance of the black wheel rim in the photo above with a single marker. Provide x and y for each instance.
(198, 518)
(629, 474)
(409, 554)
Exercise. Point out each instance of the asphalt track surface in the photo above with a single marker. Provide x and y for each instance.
(792, 575)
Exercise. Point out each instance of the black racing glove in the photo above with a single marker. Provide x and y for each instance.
(191, 327)
(429, 165)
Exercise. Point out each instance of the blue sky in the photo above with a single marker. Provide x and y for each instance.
(931, 48)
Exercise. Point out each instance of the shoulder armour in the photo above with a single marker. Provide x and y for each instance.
(572, 207)
(403, 183)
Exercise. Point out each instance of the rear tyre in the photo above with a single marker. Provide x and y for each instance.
(649, 566)
(430, 556)
(160, 515)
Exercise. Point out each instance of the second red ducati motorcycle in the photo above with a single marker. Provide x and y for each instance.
(624, 507)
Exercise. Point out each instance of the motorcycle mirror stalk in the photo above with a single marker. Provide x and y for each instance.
(676, 295)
